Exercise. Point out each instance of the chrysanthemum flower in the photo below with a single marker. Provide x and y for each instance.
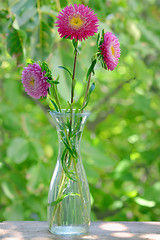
(77, 22)
(34, 82)
(110, 51)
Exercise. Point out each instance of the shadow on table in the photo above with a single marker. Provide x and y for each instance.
(125, 230)
(98, 230)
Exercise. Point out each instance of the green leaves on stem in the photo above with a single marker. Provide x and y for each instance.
(66, 70)
(15, 42)
(89, 89)
(55, 105)
(61, 198)
(73, 82)
(100, 40)
(98, 37)
(69, 148)
(88, 97)
(70, 151)
(54, 95)
(48, 74)
(66, 162)
(53, 89)
(75, 44)
(91, 69)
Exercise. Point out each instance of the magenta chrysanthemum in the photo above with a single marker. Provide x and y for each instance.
(34, 82)
(110, 50)
(77, 22)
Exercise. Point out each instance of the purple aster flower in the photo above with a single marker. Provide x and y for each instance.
(110, 51)
(77, 22)
(34, 81)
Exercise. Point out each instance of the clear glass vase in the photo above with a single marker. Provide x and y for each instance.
(69, 197)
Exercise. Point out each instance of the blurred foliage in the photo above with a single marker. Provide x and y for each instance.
(120, 146)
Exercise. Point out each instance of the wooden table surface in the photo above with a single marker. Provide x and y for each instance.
(99, 230)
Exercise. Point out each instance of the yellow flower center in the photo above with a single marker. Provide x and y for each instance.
(113, 51)
(76, 22)
(32, 81)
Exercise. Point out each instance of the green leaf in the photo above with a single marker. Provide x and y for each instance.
(69, 106)
(55, 82)
(15, 41)
(91, 69)
(88, 96)
(76, 130)
(41, 40)
(67, 70)
(31, 61)
(98, 37)
(61, 198)
(54, 104)
(65, 168)
(26, 15)
(44, 67)
(73, 154)
(91, 88)
(102, 39)
(75, 43)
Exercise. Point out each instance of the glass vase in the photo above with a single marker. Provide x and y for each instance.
(69, 197)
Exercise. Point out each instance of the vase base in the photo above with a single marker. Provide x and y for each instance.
(69, 230)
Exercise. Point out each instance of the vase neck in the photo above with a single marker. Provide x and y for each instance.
(70, 125)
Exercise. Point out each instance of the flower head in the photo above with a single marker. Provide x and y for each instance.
(77, 22)
(109, 51)
(34, 81)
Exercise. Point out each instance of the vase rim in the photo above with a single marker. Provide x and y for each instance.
(63, 112)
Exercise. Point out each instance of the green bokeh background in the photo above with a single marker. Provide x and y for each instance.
(121, 141)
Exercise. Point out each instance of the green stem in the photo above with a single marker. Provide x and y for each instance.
(73, 76)
(73, 86)
(61, 188)
(59, 195)
(67, 136)
(60, 192)
(87, 89)
(79, 186)
(56, 96)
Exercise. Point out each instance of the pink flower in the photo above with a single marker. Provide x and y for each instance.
(77, 22)
(110, 50)
(34, 82)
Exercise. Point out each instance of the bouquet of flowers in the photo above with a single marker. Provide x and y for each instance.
(69, 188)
